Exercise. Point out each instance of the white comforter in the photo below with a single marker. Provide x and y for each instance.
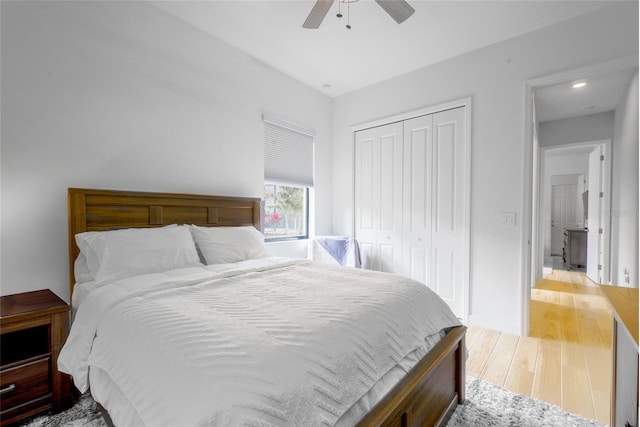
(268, 342)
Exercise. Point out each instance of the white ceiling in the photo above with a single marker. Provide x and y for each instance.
(335, 60)
(602, 93)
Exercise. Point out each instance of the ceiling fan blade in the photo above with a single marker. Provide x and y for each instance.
(317, 14)
(399, 10)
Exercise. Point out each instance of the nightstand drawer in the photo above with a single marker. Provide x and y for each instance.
(23, 382)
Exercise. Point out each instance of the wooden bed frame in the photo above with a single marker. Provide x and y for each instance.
(426, 396)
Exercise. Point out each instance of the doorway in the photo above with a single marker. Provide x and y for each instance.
(574, 182)
(564, 213)
(532, 226)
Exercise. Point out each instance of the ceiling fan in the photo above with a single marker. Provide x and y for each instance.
(399, 10)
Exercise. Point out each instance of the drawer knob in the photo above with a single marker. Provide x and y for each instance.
(8, 389)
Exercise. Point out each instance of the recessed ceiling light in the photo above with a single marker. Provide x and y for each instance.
(579, 85)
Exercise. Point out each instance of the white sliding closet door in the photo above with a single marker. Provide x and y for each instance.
(416, 230)
(378, 196)
(446, 271)
(410, 201)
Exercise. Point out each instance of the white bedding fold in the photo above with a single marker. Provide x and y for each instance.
(270, 342)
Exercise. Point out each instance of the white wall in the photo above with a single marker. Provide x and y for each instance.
(495, 78)
(120, 95)
(624, 212)
(592, 127)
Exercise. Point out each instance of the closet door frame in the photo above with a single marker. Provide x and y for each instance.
(463, 102)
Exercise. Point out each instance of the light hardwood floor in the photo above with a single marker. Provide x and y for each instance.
(566, 360)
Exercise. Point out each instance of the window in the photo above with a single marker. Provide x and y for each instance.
(288, 174)
(285, 211)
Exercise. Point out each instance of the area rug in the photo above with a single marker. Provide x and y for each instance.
(486, 405)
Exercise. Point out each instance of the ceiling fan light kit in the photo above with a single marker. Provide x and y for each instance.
(339, 14)
(399, 10)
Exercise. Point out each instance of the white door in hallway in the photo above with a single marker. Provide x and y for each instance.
(563, 214)
(594, 215)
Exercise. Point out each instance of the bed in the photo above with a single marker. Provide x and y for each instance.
(136, 344)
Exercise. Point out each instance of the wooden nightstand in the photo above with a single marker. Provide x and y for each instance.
(33, 328)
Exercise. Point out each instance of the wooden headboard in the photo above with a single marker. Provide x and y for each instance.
(100, 210)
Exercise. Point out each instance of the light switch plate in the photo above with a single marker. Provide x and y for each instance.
(508, 218)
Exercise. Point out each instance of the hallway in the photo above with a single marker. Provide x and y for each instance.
(565, 360)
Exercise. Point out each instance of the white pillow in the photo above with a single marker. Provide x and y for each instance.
(219, 245)
(81, 270)
(118, 254)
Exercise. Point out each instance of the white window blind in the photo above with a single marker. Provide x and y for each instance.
(288, 153)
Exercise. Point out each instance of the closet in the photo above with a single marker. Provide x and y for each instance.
(411, 201)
